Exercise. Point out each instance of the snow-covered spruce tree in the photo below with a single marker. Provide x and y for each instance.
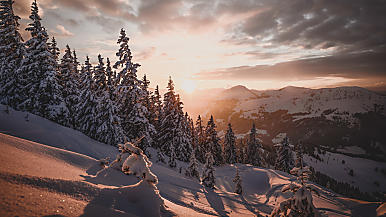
(172, 158)
(208, 178)
(241, 152)
(87, 107)
(213, 142)
(54, 50)
(300, 204)
(76, 62)
(192, 169)
(11, 54)
(109, 128)
(237, 181)
(229, 146)
(148, 103)
(130, 95)
(68, 78)
(40, 84)
(200, 140)
(299, 154)
(156, 108)
(137, 125)
(182, 140)
(284, 159)
(100, 77)
(192, 131)
(254, 148)
(160, 156)
(168, 120)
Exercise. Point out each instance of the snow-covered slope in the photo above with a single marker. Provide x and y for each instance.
(338, 166)
(37, 129)
(39, 179)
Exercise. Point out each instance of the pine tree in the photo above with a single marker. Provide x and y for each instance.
(160, 156)
(182, 140)
(87, 112)
(208, 178)
(200, 140)
(76, 63)
(172, 158)
(229, 146)
(68, 78)
(168, 120)
(11, 55)
(150, 106)
(299, 154)
(237, 181)
(147, 96)
(192, 170)
(133, 114)
(241, 151)
(100, 77)
(54, 50)
(254, 148)
(245, 154)
(284, 160)
(41, 88)
(192, 130)
(109, 129)
(137, 125)
(156, 108)
(212, 142)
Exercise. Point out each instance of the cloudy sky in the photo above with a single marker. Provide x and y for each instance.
(221, 43)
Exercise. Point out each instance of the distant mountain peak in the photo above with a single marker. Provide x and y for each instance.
(292, 88)
(238, 87)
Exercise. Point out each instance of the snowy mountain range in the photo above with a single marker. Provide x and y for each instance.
(48, 169)
(332, 118)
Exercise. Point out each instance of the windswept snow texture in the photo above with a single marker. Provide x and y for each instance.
(38, 180)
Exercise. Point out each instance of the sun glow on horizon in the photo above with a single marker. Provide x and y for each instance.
(188, 86)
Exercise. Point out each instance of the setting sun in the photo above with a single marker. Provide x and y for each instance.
(188, 86)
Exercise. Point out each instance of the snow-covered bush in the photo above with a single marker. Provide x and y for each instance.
(138, 164)
(131, 160)
(300, 204)
(121, 157)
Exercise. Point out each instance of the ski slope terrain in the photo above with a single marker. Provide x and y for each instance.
(48, 169)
